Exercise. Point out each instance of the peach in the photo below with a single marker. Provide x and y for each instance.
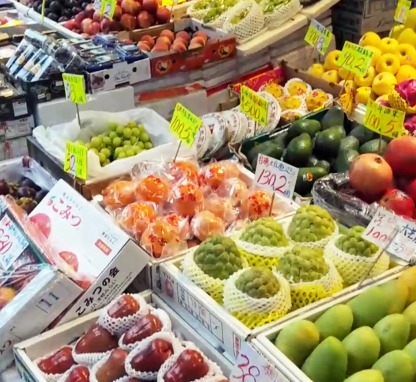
(163, 15)
(198, 40)
(195, 45)
(183, 34)
(201, 34)
(142, 45)
(160, 47)
(145, 20)
(181, 39)
(164, 39)
(168, 33)
(149, 40)
(178, 46)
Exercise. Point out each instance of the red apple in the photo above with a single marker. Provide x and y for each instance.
(117, 13)
(97, 16)
(89, 11)
(145, 20)
(150, 6)
(142, 45)
(115, 26)
(149, 40)
(163, 15)
(85, 25)
(398, 202)
(130, 6)
(128, 22)
(70, 24)
(105, 25)
(79, 17)
(94, 28)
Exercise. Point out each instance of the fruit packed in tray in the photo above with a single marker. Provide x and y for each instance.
(130, 341)
(168, 206)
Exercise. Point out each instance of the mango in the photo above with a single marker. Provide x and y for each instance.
(411, 349)
(408, 277)
(297, 340)
(336, 321)
(396, 293)
(328, 362)
(368, 307)
(363, 349)
(393, 332)
(410, 313)
(396, 366)
(366, 376)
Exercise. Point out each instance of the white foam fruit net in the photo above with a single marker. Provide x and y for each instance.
(254, 312)
(281, 14)
(244, 20)
(196, 13)
(64, 376)
(50, 377)
(288, 88)
(97, 366)
(87, 359)
(354, 268)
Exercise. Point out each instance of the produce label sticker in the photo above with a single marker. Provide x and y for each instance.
(254, 106)
(107, 8)
(253, 367)
(12, 242)
(74, 88)
(381, 228)
(276, 176)
(185, 124)
(384, 120)
(355, 58)
(76, 160)
(402, 10)
(318, 36)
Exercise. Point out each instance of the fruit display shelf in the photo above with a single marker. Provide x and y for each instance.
(264, 343)
(28, 351)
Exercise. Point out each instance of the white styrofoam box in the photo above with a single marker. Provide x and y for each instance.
(13, 148)
(61, 110)
(10, 375)
(17, 127)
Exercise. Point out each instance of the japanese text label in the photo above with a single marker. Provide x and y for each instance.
(254, 106)
(76, 160)
(318, 36)
(402, 10)
(184, 124)
(74, 88)
(355, 58)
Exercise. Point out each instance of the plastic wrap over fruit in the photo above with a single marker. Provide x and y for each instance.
(410, 124)
(403, 96)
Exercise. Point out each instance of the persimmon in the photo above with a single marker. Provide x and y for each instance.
(119, 194)
(152, 189)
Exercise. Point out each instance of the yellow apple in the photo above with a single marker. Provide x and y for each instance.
(316, 70)
(388, 62)
(408, 36)
(370, 39)
(331, 76)
(388, 45)
(396, 31)
(406, 72)
(407, 54)
(363, 94)
(410, 21)
(348, 85)
(331, 60)
(383, 83)
(344, 74)
(366, 79)
(377, 54)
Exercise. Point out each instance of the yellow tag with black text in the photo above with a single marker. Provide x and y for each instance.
(107, 8)
(76, 160)
(184, 124)
(318, 37)
(254, 106)
(74, 87)
(355, 58)
(402, 10)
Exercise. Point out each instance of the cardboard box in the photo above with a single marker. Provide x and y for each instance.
(28, 351)
(13, 102)
(16, 128)
(13, 148)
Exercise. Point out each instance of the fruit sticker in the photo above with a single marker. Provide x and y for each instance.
(185, 124)
(74, 87)
(384, 120)
(355, 58)
(276, 176)
(76, 160)
(402, 9)
(318, 36)
(254, 106)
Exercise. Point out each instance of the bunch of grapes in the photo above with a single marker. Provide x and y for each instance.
(120, 141)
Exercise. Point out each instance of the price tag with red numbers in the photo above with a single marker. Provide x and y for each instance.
(276, 176)
(381, 228)
(253, 367)
(12, 242)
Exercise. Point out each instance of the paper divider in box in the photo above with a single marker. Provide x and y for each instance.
(29, 350)
(264, 341)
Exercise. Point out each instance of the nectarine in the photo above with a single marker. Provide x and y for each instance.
(131, 7)
(145, 19)
(197, 40)
(150, 6)
(201, 34)
(168, 33)
(163, 15)
(149, 40)
(178, 46)
(128, 22)
(165, 40)
(183, 34)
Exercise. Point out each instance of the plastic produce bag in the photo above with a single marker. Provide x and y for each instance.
(53, 139)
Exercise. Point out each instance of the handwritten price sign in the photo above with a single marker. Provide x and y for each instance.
(74, 88)
(253, 105)
(402, 10)
(318, 36)
(76, 160)
(184, 124)
(384, 120)
(275, 176)
(355, 58)
(12, 242)
(252, 367)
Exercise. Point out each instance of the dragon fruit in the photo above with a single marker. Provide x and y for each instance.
(410, 124)
(407, 91)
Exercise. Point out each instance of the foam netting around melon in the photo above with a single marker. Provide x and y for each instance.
(311, 244)
(282, 14)
(352, 268)
(212, 286)
(196, 13)
(305, 293)
(250, 25)
(255, 312)
(291, 81)
(397, 102)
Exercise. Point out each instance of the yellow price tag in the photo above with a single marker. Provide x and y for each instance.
(384, 120)
(318, 36)
(402, 9)
(107, 8)
(74, 87)
(355, 58)
(167, 3)
(253, 105)
(184, 124)
(76, 160)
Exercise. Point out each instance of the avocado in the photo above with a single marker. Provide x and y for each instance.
(309, 126)
(344, 159)
(341, 130)
(327, 142)
(334, 116)
(349, 143)
(324, 164)
(361, 133)
(307, 177)
(269, 148)
(282, 138)
(375, 146)
(299, 150)
(312, 161)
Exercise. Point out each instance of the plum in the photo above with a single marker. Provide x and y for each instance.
(26, 182)
(25, 192)
(4, 187)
